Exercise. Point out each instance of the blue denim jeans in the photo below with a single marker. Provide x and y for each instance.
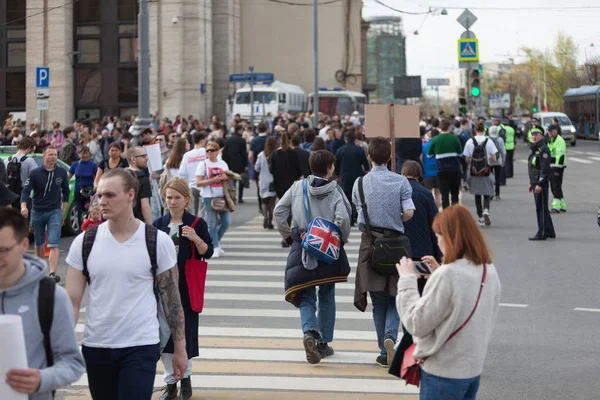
(121, 374)
(216, 228)
(323, 320)
(385, 317)
(436, 388)
(46, 220)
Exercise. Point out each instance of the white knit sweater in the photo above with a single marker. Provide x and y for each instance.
(447, 302)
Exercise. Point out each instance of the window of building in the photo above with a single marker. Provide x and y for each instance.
(87, 10)
(16, 54)
(128, 10)
(128, 29)
(88, 30)
(88, 86)
(15, 12)
(91, 113)
(128, 85)
(88, 51)
(126, 50)
(13, 23)
(15, 89)
(15, 33)
(128, 112)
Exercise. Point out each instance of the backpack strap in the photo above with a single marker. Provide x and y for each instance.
(363, 205)
(88, 242)
(151, 242)
(305, 195)
(46, 314)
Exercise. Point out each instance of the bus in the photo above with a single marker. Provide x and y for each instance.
(338, 101)
(582, 105)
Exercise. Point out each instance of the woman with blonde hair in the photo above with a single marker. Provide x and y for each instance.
(453, 322)
(186, 230)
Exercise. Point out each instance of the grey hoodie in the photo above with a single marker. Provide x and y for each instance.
(325, 199)
(21, 300)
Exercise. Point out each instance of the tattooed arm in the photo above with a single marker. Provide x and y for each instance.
(171, 301)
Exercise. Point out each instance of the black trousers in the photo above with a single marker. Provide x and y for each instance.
(544, 221)
(510, 165)
(256, 174)
(497, 169)
(449, 186)
(556, 180)
(480, 206)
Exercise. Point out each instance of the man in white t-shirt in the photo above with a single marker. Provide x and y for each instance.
(121, 337)
(187, 169)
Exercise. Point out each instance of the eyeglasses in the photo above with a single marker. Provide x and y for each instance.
(5, 250)
(211, 150)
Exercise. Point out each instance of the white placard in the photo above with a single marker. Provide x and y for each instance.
(154, 158)
(14, 356)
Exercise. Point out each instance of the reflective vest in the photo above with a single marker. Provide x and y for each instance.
(510, 136)
(558, 151)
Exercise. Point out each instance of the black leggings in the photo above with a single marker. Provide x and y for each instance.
(480, 208)
(497, 178)
(449, 185)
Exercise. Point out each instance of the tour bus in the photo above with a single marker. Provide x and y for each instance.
(339, 101)
(278, 96)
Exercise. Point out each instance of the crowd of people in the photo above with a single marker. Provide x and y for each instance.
(142, 226)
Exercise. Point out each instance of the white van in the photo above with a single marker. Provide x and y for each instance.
(273, 98)
(567, 129)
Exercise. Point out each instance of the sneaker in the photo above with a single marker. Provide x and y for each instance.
(480, 222)
(221, 251)
(216, 252)
(486, 217)
(389, 343)
(555, 211)
(382, 361)
(270, 227)
(311, 347)
(186, 389)
(169, 392)
(54, 276)
(325, 350)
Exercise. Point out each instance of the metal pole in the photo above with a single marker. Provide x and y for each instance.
(143, 119)
(539, 92)
(316, 60)
(252, 98)
(438, 99)
(545, 90)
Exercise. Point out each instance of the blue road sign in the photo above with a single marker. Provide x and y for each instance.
(42, 77)
(468, 49)
(258, 77)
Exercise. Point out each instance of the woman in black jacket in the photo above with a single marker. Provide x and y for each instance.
(285, 167)
(177, 224)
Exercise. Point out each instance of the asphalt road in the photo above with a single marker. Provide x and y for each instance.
(545, 342)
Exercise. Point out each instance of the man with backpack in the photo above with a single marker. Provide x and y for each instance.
(53, 356)
(19, 166)
(127, 267)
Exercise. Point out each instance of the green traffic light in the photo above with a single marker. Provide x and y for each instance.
(475, 92)
(480, 69)
(534, 109)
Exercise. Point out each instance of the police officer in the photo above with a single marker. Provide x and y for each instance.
(558, 152)
(508, 133)
(535, 124)
(539, 175)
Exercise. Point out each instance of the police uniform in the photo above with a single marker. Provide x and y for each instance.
(539, 175)
(558, 152)
(509, 144)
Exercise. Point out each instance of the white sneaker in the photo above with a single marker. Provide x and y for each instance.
(486, 217)
(221, 251)
(480, 222)
(216, 253)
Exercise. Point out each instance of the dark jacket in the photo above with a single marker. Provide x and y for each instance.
(235, 154)
(285, 168)
(68, 152)
(298, 278)
(50, 188)
(538, 163)
(350, 164)
(185, 249)
(408, 149)
(335, 145)
(423, 241)
(303, 157)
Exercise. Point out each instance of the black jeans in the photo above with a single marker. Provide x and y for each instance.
(556, 180)
(497, 169)
(449, 186)
(544, 221)
(480, 207)
(510, 156)
(121, 374)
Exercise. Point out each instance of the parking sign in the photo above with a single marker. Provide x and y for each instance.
(42, 77)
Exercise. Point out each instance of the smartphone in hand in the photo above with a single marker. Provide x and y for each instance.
(422, 268)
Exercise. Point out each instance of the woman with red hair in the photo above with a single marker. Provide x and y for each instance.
(453, 322)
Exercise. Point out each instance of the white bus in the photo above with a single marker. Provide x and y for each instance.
(339, 101)
(278, 96)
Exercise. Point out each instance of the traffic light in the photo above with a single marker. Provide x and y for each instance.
(534, 109)
(480, 69)
(462, 101)
(475, 90)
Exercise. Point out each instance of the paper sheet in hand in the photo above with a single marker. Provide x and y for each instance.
(14, 356)
(154, 158)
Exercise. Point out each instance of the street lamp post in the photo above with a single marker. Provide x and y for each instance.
(316, 60)
(143, 120)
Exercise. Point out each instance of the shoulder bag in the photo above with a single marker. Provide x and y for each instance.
(386, 251)
(86, 192)
(218, 204)
(409, 371)
(195, 276)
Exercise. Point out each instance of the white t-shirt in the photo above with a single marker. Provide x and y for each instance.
(189, 164)
(121, 310)
(323, 133)
(490, 147)
(212, 169)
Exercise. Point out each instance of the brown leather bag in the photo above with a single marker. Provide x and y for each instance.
(218, 204)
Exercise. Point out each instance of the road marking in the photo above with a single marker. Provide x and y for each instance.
(514, 305)
(595, 158)
(289, 313)
(580, 160)
(268, 255)
(256, 263)
(270, 247)
(259, 284)
(587, 309)
(298, 384)
(244, 272)
(523, 161)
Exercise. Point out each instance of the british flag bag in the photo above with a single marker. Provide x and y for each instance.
(323, 238)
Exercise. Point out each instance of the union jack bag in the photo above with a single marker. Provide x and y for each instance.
(322, 238)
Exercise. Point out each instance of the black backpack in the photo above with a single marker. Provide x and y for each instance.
(13, 174)
(46, 315)
(479, 160)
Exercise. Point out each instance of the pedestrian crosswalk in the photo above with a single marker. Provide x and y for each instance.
(251, 340)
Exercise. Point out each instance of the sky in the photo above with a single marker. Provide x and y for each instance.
(501, 31)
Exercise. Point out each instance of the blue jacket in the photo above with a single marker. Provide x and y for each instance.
(429, 163)
(50, 188)
(185, 249)
(423, 241)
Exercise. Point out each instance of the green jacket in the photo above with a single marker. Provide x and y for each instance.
(558, 152)
(510, 136)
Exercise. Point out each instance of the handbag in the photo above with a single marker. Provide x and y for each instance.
(409, 371)
(245, 180)
(195, 276)
(218, 204)
(386, 251)
(323, 238)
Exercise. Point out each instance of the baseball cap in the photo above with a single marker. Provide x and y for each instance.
(552, 128)
(495, 117)
(536, 131)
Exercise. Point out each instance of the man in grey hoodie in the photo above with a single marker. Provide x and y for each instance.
(20, 276)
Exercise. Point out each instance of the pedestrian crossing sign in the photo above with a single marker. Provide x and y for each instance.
(468, 49)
